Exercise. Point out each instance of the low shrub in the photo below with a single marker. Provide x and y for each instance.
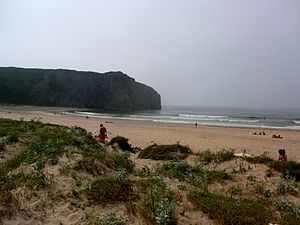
(2, 146)
(225, 155)
(229, 211)
(110, 189)
(36, 180)
(12, 137)
(288, 168)
(290, 212)
(261, 159)
(165, 152)
(290, 218)
(115, 160)
(195, 175)
(90, 165)
(179, 169)
(108, 217)
(159, 206)
(206, 156)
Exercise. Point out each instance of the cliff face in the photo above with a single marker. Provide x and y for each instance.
(69, 88)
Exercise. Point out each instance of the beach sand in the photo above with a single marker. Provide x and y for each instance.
(143, 134)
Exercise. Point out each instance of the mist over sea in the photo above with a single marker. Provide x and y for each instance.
(215, 116)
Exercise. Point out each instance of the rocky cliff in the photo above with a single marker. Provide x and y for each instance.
(70, 88)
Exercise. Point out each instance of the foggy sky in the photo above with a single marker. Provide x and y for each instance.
(235, 53)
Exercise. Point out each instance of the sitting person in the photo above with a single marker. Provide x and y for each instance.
(282, 155)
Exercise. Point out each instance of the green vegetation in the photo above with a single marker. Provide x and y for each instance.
(229, 211)
(107, 217)
(165, 152)
(262, 159)
(195, 175)
(289, 168)
(67, 165)
(221, 156)
(111, 188)
(158, 207)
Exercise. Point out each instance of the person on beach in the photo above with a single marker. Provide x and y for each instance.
(282, 155)
(196, 124)
(102, 133)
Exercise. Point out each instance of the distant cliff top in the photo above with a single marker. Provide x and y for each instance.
(71, 88)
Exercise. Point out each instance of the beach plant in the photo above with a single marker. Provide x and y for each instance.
(115, 160)
(269, 172)
(206, 156)
(235, 191)
(143, 186)
(65, 168)
(2, 146)
(115, 187)
(144, 172)
(36, 179)
(178, 168)
(195, 175)
(290, 212)
(107, 217)
(159, 206)
(289, 168)
(12, 137)
(225, 155)
(281, 187)
(90, 165)
(227, 210)
(261, 159)
(265, 198)
(39, 164)
(165, 152)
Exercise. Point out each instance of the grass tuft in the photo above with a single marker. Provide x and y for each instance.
(159, 206)
(229, 211)
(110, 189)
(165, 152)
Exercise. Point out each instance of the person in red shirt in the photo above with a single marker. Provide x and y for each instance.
(102, 133)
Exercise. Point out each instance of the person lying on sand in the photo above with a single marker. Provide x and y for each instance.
(276, 136)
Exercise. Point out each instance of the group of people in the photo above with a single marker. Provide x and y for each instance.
(263, 133)
(260, 133)
(276, 136)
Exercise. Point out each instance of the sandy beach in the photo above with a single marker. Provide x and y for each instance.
(143, 134)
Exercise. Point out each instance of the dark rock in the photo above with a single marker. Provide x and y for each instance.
(70, 88)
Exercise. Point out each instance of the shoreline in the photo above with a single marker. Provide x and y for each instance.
(145, 133)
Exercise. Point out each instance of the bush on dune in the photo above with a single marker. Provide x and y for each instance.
(229, 211)
(110, 189)
(165, 152)
(289, 168)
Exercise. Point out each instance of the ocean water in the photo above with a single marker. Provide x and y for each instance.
(214, 116)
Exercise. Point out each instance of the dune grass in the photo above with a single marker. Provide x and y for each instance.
(165, 152)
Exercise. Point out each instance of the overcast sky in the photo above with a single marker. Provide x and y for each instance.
(236, 53)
